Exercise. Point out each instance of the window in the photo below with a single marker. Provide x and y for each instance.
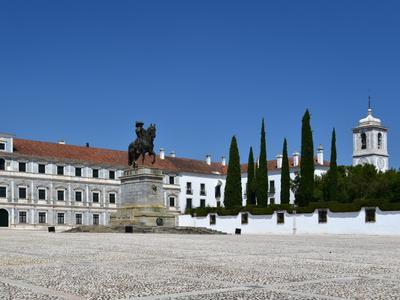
(218, 191)
(42, 218)
(171, 179)
(111, 198)
(95, 219)
(213, 219)
(188, 188)
(22, 217)
(272, 186)
(322, 216)
(218, 203)
(202, 189)
(78, 219)
(111, 174)
(188, 203)
(363, 141)
(272, 201)
(60, 218)
(60, 170)
(95, 173)
(202, 203)
(60, 195)
(379, 140)
(245, 218)
(280, 218)
(78, 172)
(42, 169)
(42, 194)
(2, 164)
(95, 197)
(22, 193)
(3, 192)
(78, 196)
(172, 201)
(22, 167)
(2, 146)
(370, 215)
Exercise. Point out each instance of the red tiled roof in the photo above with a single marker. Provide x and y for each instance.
(71, 153)
(119, 159)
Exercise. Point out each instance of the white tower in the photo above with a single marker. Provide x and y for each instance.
(370, 143)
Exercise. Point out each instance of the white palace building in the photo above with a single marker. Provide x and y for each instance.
(55, 184)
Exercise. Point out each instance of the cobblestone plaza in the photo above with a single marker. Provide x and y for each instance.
(39, 265)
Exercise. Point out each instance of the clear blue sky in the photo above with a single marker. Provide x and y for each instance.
(84, 71)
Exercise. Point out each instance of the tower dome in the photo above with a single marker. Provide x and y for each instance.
(370, 119)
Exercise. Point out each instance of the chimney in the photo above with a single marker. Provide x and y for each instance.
(162, 153)
(173, 154)
(320, 155)
(279, 159)
(296, 157)
(61, 142)
(223, 161)
(208, 159)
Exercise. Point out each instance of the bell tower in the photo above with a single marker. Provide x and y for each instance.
(370, 143)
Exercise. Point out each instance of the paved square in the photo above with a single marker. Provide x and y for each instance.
(39, 265)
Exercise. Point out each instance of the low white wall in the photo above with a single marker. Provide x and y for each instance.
(386, 223)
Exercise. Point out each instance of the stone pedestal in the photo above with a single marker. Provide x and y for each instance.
(142, 201)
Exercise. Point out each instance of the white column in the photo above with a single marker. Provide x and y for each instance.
(12, 213)
(69, 195)
(12, 185)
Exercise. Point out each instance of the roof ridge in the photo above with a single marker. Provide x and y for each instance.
(69, 145)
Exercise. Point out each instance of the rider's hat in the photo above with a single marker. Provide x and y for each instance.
(139, 123)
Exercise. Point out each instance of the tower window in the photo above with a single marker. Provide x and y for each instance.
(2, 164)
(2, 146)
(363, 141)
(379, 140)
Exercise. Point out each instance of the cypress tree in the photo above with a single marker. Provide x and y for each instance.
(251, 198)
(307, 168)
(233, 187)
(333, 171)
(261, 180)
(285, 176)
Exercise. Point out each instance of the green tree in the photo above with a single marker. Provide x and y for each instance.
(233, 187)
(261, 179)
(285, 176)
(333, 171)
(305, 193)
(251, 197)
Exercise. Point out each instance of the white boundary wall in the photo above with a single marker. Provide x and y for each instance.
(386, 223)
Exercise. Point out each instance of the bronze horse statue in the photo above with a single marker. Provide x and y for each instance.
(143, 144)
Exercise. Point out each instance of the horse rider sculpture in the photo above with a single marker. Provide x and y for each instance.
(143, 144)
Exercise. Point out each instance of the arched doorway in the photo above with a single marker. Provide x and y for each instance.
(3, 218)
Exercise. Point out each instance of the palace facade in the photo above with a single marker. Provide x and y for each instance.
(55, 184)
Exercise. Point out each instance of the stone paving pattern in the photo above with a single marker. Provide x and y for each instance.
(39, 265)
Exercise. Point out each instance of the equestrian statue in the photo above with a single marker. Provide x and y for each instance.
(143, 144)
